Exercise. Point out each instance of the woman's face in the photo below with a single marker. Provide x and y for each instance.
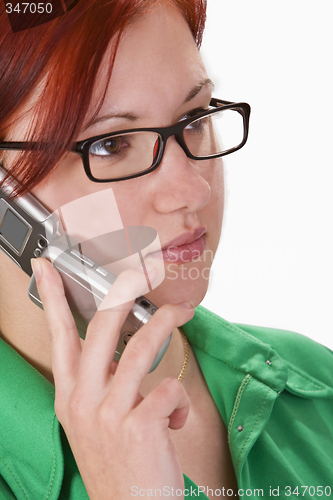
(158, 77)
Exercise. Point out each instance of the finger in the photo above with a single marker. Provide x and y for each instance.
(104, 329)
(142, 349)
(167, 401)
(65, 341)
(129, 285)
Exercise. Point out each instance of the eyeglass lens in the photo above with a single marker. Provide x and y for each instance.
(131, 153)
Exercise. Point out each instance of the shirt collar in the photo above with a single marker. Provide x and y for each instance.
(237, 348)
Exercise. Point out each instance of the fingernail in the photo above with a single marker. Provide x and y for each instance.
(187, 305)
(37, 268)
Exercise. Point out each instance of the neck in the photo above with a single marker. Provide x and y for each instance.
(22, 324)
(170, 366)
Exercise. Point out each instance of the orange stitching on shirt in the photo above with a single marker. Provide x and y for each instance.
(16, 479)
(237, 401)
(262, 408)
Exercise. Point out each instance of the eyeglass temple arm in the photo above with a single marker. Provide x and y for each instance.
(246, 108)
(219, 102)
(16, 146)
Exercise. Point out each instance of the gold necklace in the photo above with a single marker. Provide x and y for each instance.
(182, 371)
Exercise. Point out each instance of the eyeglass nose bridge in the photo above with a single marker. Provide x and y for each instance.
(175, 131)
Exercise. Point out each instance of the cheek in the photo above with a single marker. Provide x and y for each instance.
(67, 182)
(214, 175)
(132, 198)
(216, 181)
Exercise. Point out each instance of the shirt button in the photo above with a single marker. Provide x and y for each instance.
(240, 428)
(268, 362)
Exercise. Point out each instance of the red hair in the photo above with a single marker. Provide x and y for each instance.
(67, 52)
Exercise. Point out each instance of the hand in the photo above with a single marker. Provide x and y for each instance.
(119, 439)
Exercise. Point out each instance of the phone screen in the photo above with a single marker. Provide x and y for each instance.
(14, 231)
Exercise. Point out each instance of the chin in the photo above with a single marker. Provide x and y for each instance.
(182, 283)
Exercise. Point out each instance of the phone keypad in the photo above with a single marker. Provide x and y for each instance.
(102, 271)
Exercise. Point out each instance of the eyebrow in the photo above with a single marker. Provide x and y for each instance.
(103, 118)
(195, 91)
(128, 116)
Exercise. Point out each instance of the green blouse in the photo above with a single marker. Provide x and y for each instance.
(274, 391)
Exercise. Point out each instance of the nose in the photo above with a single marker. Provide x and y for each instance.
(180, 182)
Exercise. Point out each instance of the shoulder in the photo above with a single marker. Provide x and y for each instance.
(246, 348)
(297, 350)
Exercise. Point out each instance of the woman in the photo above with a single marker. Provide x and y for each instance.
(131, 433)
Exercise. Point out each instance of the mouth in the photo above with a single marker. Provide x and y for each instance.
(185, 247)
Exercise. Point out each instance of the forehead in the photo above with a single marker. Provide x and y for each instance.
(156, 65)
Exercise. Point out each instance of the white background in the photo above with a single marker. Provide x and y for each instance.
(274, 265)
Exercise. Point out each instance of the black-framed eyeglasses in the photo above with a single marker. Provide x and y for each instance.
(125, 154)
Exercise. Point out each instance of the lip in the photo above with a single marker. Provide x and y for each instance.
(185, 247)
(185, 238)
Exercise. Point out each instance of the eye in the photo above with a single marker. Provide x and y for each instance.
(193, 113)
(112, 145)
(198, 126)
(109, 146)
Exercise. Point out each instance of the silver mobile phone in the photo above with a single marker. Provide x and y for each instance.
(28, 229)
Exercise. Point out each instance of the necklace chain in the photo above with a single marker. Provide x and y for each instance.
(186, 346)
